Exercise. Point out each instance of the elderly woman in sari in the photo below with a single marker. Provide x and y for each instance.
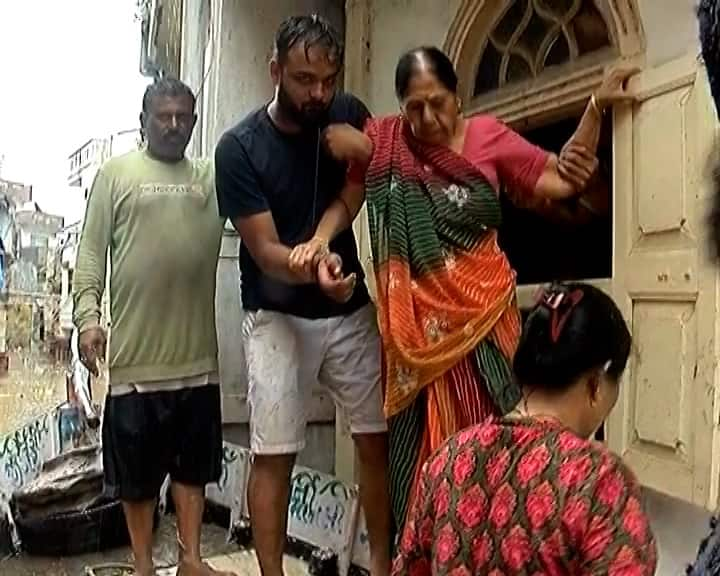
(445, 291)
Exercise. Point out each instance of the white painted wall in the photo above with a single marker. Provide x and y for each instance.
(397, 26)
(245, 31)
(670, 28)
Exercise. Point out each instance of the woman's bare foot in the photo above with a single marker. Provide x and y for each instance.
(190, 568)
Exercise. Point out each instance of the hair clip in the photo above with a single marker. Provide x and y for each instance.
(550, 298)
(547, 297)
(555, 298)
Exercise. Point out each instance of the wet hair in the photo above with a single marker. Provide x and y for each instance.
(573, 329)
(438, 63)
(313, 30)
(166, 86)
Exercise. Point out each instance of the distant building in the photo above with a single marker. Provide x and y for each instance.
(87, 159)
(36, 245)
(30, 288)
(91, 154)
(15, 191)
(13, 196)
(69, 239)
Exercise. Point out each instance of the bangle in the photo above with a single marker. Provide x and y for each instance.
(594, 105)
(324, 246)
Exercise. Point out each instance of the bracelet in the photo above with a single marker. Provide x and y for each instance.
(324, 247)
(594, 104)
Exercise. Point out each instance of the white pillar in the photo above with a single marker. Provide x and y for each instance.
(357, 60)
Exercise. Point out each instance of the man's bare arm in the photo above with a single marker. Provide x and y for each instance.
(260, 237)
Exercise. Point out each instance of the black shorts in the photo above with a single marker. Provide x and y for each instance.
(148, 435)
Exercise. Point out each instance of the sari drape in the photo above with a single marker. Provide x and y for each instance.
(445, 296)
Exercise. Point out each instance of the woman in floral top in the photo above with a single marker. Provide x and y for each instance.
(530, 493)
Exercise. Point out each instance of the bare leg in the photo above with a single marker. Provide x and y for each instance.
(372, 450)
(189, 507)
(139, 518)
(268, 497)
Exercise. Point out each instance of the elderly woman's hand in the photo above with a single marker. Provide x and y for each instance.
(614, 87)
(304, 258)
(577, 164)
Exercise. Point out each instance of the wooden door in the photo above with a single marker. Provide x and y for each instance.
(665, 422)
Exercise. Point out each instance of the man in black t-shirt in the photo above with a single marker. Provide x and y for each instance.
(276, 173)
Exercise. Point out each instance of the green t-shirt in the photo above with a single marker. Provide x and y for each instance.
(161, 225)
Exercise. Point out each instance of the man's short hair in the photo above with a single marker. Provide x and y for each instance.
(313, 30)
(166, 86)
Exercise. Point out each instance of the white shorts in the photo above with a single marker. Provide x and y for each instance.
(287, 355)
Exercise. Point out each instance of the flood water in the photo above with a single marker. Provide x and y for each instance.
(32, 386)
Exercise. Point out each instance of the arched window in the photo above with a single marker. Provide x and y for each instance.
(533, 64)
(532, 36)
(520, 59)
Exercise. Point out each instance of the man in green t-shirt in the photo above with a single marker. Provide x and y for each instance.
(155, 213)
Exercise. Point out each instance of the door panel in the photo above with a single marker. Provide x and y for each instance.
(665, 284)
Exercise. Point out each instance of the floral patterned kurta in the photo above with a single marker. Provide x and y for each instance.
(511, 497)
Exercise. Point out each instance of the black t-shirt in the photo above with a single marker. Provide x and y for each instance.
(258, 168)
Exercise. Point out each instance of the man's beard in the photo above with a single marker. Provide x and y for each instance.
(308, 116)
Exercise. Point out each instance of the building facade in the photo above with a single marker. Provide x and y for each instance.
(29, 291)
(84, 162)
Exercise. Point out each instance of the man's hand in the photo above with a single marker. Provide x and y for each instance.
(614, 87)
(305, 257)
(576, 165)
(91, 344)
(347, 143)
(331, 280)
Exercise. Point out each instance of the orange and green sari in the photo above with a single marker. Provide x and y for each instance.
(445, 296)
